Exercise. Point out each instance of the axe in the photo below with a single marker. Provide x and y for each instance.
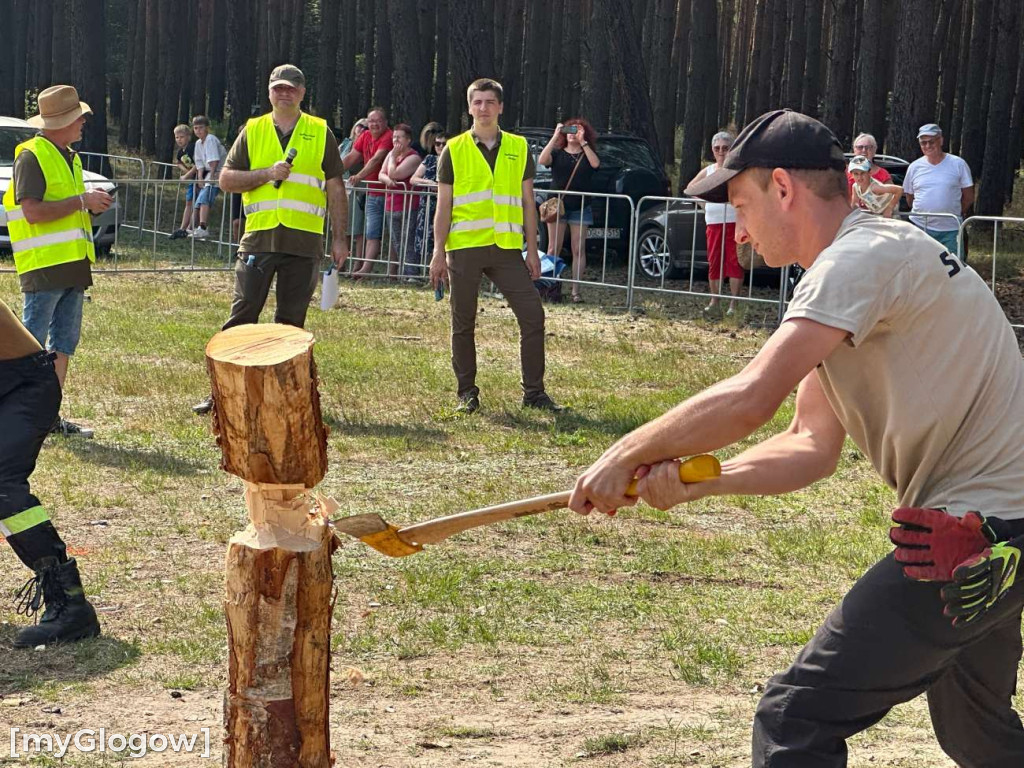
(393, 541)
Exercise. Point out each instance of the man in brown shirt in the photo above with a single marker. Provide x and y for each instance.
(293, 255)
(30, 397)
(464, 267)
(54, 294)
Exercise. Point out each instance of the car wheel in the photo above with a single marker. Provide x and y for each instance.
(652, 253)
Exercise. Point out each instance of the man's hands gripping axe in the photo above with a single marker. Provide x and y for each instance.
(975, 554)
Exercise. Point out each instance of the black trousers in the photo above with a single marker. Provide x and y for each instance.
(296, 281)
(29, 401)
(886, 643)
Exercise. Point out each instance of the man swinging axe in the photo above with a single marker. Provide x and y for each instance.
(30, 397)
(876, 345)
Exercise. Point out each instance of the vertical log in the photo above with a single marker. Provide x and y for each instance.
(278, 570)
(972, 147)
(915, 106)
(327, 74)
(550, 113)
(796, 54)
(347, 68)
(439, 103)
(216, 79)
(867, 66)
(384, 60)
(597, 80)
(992, 192)
(151, 81)
(967, 23)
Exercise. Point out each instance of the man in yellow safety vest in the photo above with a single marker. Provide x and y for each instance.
(485, 203)
(287, 167)
(47, 208)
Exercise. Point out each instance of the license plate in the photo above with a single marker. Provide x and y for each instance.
(600, 233)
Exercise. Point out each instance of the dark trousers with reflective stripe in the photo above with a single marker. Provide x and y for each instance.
(886, 643)
(29, 401)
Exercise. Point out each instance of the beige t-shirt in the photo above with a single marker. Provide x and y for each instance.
(930, 382)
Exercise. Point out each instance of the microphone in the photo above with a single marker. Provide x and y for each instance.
(291, 156)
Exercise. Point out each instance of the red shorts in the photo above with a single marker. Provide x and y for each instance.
(715, 254)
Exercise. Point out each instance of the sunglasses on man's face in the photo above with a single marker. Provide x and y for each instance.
(440, 143)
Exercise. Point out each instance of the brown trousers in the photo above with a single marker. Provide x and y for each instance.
(507, 270)
(296, 281)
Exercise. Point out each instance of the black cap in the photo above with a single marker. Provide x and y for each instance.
(778, 139)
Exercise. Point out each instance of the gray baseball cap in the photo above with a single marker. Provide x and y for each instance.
(289, 74)
(929, 129)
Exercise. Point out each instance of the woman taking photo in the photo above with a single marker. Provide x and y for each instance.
(572, 158)
(720, 219)
(395, 174)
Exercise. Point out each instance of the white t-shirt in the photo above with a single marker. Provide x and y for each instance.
(210, 150)
(717, 213)
(936, 189)
(930, 382)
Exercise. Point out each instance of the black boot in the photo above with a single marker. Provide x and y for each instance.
(68, 615)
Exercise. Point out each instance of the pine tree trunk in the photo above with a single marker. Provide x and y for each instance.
(683, 65)
(536, 53)
(19, 60)
(132, 135)
(887, 70)
(702, 80)
(440, 101)
(972, 144)
(151, 81)
(167, 101)
(1016, 127)
(60, 46)
(383, 62)
(217, 78)
(597, 77)
(550, 114)
(726, 62)
(327, 72)
(796, 54)
(625, 56)
(663, 96)
(347, 67)
(43, 36)
(992, 193)
(912, 106)
(760, 63)
(569, 62)
(778, 52)
(741, 61)
(239, 62)
(967, 22)
(949, 49)
(812, 67)
(367, 19)
(410, 94)
(512, 60)
(838, 112)
(867, 66)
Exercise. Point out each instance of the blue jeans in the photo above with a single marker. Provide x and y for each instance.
(207, 195)
(57, 314)
(374, 208)
(582, 217)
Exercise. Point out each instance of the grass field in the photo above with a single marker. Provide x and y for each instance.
(642, 640)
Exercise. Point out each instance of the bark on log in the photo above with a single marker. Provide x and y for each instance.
(278, 571)
(266, 407)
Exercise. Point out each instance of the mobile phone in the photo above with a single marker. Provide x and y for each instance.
(570, 128)
(439, 291)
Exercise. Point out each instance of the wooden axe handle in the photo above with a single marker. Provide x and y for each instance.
(693, 470)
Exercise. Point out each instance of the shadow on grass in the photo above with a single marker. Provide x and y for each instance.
(383, 430)
(131, 458)
(27, 669)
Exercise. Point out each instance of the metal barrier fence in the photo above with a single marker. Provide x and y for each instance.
(662, 239)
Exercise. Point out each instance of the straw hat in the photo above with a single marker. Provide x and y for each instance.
(59, 107)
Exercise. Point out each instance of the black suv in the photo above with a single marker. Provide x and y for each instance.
(629, 166)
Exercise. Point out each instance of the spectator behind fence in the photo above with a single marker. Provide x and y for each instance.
(720, 233)
(485, 208)
(866, 146)
(399, 204)
(571, 155)
(433, 138)
(868, 192)
(356, 200)
(938, 182)
(370, 149)
(209, 156)
(184, 159)
(284, 223)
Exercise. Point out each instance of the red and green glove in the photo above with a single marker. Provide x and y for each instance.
(979, 582)
(931, 543)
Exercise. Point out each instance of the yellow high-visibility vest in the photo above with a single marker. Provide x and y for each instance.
(301, 200)
(487, 207)
(67, 239)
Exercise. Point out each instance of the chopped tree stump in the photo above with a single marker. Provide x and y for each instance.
(279, 579)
